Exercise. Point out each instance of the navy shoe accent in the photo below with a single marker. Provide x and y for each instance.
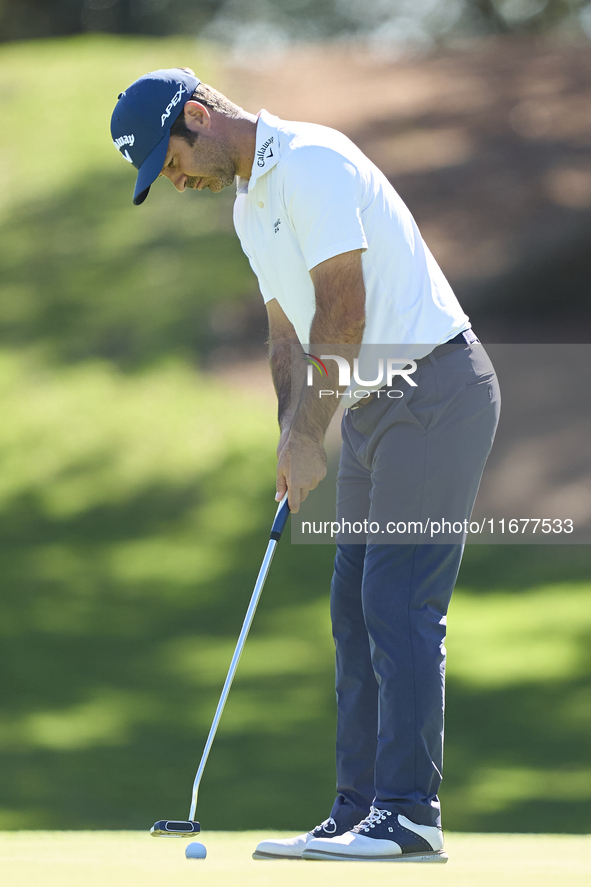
(384, 825)
(330, 828)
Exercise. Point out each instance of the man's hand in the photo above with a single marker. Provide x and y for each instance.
(301, 467)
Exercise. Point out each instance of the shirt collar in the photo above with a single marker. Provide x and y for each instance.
(266, 153)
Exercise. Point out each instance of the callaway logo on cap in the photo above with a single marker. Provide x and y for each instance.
(142, 119)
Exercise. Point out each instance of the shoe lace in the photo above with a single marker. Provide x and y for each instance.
(329, 826)
(375, 815)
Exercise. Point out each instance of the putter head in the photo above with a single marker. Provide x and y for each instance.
(174, 828)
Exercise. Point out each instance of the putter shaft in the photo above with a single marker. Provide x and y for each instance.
(278, 525)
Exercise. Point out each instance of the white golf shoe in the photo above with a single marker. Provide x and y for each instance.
(292, 848)
(382, 836)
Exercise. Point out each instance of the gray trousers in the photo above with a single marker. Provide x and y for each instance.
(417, 457)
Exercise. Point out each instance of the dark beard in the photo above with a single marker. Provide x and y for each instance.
(224, 179)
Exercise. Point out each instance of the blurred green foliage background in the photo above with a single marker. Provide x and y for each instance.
(419, 21)
(136, 494)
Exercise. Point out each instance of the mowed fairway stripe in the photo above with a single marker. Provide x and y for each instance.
(127, 859)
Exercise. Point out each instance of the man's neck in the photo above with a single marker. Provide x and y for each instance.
(243, 134)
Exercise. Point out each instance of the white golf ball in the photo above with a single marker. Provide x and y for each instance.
(195, 850)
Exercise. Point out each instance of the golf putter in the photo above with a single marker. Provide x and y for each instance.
(185, 828)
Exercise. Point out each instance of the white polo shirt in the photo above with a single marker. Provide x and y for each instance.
(312, 195)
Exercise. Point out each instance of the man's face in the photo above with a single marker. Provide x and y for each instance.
(207, 163)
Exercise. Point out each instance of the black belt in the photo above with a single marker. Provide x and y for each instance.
(467, 337)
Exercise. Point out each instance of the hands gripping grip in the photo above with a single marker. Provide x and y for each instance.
(280, 520)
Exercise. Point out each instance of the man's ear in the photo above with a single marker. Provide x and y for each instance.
(197, 116)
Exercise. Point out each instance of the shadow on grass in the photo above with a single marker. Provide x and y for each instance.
(102, 720)
(515, 756)
(102, 728)
(85, 274)
(519, 568)
(96, 730)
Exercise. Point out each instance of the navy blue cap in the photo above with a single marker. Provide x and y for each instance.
(143, 117)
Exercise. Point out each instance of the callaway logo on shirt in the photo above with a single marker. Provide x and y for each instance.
(261, 152)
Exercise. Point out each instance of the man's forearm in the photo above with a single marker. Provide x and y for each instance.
(343, 335)
(287, 383)
(338, 321)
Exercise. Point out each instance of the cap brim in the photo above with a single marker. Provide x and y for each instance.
(150, 170)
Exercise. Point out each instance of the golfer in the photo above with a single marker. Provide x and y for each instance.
(345, 273)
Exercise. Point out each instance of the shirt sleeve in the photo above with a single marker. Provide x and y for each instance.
(321, 191)
(264, 287)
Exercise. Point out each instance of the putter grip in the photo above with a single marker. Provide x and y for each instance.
(280, 520)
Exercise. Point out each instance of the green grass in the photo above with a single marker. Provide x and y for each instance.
(128, 858)
(57, 97)
(135, 500)
(519, 704)
(131, 532)
(83, 272)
